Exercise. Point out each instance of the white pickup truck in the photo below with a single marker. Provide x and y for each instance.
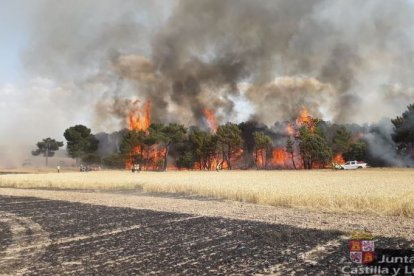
(353, 165)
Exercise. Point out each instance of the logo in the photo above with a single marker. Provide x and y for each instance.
(362, 247)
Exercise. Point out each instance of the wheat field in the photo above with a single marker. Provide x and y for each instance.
(369, 191)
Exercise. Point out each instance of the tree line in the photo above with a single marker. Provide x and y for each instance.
(312, 145)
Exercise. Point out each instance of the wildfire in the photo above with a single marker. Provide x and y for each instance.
(211, 119)
(338, 159)
(279, 157)
(304, 117)
(130, 161)
(139, 118)
(289, 130)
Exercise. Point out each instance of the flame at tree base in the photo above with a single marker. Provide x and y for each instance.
(338, 159)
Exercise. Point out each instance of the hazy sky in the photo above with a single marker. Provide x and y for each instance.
(13, 35)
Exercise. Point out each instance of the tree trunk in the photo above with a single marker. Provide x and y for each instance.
(165, 157)
(47, 155)
(229, 158)
(147, 160)
(263, 160)
(310, 163)
(293, 160)
(256, 159)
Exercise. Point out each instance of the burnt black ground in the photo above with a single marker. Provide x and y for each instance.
(99, 240)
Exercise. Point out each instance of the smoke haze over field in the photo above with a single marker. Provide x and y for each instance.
(346, 61)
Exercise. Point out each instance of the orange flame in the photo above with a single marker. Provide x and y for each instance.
(304, 117)
(211, 119)
(279, 157)
(338, 159)
(289, 130)
(139, 119)
(130, 161)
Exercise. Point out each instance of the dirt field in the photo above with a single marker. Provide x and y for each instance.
(199, 223)
(369, 191)
(133, 232)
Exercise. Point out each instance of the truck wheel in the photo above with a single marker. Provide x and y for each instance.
(359, 167)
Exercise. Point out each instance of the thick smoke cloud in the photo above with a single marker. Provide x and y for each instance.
(191, 55)
(343, 60)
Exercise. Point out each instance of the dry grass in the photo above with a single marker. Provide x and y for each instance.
(373, 191)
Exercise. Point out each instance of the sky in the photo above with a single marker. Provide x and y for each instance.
(13, 35)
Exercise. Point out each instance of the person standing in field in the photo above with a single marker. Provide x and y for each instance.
(58, 169)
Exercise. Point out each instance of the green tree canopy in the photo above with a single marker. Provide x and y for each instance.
(262, 144)
(403, 134)
(130, 140)
(168, 135)
(290, 149)
(47, 147)
(230, 141)
(356, 151)
(114, 161)
(204, 147)
(342, 140)
(313, 148)
(80, 141)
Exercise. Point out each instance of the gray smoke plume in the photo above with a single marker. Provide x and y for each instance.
(192, 55)
(343, 60)
(382, 149)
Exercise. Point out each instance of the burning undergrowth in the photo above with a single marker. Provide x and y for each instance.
(304, 142)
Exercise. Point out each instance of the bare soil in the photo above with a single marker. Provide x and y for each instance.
(44, 232)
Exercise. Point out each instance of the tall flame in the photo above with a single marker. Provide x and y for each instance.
(289, 130)
(279, 157)
(338, 159)
(139, 118)
(211, 119)
(304, 117)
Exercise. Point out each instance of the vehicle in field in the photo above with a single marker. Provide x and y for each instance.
(353, 165)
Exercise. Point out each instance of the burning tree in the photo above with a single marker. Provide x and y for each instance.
(230, 142)
(204, 148)
(167, 135)
(139, 143)
(224, 146)
(131, 147)
(347, 147)
(148, 144)
(290, 150)
(210, 119)
(341, 144)
(262, 147)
